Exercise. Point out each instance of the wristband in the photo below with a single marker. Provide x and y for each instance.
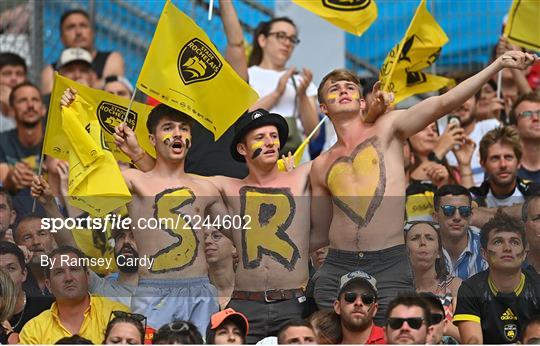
(432, 157)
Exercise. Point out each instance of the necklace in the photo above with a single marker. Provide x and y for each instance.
(22, 313)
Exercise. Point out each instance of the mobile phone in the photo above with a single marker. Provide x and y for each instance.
(454, 119)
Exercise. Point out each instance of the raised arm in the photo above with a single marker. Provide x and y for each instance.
(321, 210)
(235, 52)
(420, 115)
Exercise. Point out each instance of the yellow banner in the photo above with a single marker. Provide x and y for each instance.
(421, 46)
(184, 70)
(354, 16)
(108, 109)
(523, 27)
(95, 183)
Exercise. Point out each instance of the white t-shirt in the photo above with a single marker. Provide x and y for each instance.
(480, 129)
(265, 81)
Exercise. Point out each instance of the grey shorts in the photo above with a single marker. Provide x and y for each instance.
(266, 319)
(389, 266)
(163, 301)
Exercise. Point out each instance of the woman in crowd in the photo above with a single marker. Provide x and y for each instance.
(282, 89)
(125, 328)
(327, 327)
(227, 327)
(8, 300)
(178, 333)
(431, 273)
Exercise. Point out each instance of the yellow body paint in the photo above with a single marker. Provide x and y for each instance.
(355, 95)
(276, 143)
(332, 96)
(257, 145)
(166, 137)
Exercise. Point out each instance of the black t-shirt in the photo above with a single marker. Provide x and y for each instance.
(34, 306)
(501, 315)
(209, 158)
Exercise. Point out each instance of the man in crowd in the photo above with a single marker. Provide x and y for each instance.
(525, 115)
(27, 305)
(40, 242)
(493, 305)
(76, 32)
(12, 72)
(500, 154)
(356, 304)
(438, 322)
(352, 204)
(531, 217)
(461, 245)
(7, 216)
(296, 332)
(408, 321)
(531, 331)
(75, 311)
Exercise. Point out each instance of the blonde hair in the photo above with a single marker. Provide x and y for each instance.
(507, 135)
(8, 296)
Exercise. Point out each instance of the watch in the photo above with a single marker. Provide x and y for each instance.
(432, 157)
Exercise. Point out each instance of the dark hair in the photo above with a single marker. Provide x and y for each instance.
(129, 320)
(21, 85)
(12, 59)
(531, 97)
(211, 333)
(64, 250)
(7, 247)
(75, 339)
(186, 334)
(441, 267)
(502, 222)
(23, 219)
(163, 111)
(410, 299)
(336, 75)
(450, 189)
(533, 320)
(432, 301)
(297, 322)
(328, 324)
(534, 194)
(9, 200)
(256, 56)
(66, 14)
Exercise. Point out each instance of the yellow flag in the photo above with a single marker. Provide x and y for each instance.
(523, 28)
(184, 70)
(297, 156)
(108, 109)
(95, 183)
(401, 72)
(354, 16)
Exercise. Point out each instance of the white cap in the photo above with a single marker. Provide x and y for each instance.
(70, 55)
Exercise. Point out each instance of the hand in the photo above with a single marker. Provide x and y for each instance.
(452, 136)
(517, 59)
(306, 78)
(63, 173)
(380, 104)
(21, 175)
(5, 91)
(490, 108)
(282, 83)
(41, 190)
(126, 140)
(465, 152)
(288, 162)
(68, 97)
(437, 173)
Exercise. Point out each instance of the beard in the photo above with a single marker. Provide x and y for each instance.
(128, 267)
(29, 124)
(356, 325)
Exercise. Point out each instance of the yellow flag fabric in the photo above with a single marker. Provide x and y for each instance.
(401, 72)
(354, 16)
(184, 70)
(297, 156)
(108, 109)
(95, 183)
(522, 28)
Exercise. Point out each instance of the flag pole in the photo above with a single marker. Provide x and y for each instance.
(130, 103)
(499, 84)
(210, 9)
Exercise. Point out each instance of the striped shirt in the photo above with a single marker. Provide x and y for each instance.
(470, 261)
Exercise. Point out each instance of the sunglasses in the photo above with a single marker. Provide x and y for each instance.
(413, 322)
(436, 318)
(177, 326)
(367, 298)
(528, 114)
(123, 314)
(449, 210)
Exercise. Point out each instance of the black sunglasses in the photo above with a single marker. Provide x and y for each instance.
(436, 318)
(367, 298)
(449, 210)
(413, 322)
(135, 317)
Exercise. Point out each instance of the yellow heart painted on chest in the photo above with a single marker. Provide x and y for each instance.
(357, 182)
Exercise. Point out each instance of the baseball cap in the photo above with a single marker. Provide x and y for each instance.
(219, 317)
(349, 279)
(70, 55)
(253, 120)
